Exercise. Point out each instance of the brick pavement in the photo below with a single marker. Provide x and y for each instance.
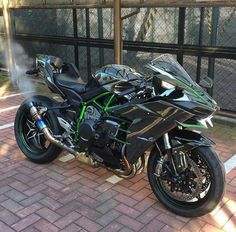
(70, 196)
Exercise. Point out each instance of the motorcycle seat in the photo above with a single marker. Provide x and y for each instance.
(70, 81)
(70, 78)
(77, 86)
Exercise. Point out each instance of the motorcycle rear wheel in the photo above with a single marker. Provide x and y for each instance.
(29, 139)
(200, 206)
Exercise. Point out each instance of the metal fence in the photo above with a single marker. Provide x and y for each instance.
(202, 39)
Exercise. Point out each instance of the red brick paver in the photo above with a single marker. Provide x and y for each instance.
(74, 197)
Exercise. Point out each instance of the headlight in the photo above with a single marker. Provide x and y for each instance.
(167, 85)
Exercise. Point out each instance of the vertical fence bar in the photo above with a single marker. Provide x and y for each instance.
(13, 26)
(200, 37)
(9, 35)
(75, 28)
(181, 33)
(100, 36)
(213, 41)
(88, 36)
(176, 23)
(117, 31)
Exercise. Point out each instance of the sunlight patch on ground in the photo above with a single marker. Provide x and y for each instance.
(9, 108)
(5, 126)
(14, 95)
(4, 89)
(114, 179)
(230, 163)
(66, 158)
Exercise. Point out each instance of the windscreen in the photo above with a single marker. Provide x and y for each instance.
(169, 65)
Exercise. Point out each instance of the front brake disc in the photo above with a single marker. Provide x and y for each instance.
(186, 189)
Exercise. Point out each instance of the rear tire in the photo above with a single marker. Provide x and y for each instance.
(204, 205)
(33, 150)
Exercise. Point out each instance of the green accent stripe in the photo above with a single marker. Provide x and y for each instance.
(79, 120)
(198, 126)
(109, 102)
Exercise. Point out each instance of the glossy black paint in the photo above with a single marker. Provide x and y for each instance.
(196, 108)
(186, 141)
(190, 138)
(149, 122)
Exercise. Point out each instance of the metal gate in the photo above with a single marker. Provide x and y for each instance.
(202, 39)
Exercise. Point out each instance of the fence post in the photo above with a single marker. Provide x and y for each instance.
(88, 46)
(117, 31)
(75, 28)
(199, 58)
(181, 33)
(100, 36)
(9, 35)
(213, 41)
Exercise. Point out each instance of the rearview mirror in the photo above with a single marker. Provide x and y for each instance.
(206, 82)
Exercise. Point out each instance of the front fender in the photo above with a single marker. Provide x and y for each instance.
(189, 139)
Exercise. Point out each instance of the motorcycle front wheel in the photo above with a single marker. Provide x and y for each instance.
(194, 192)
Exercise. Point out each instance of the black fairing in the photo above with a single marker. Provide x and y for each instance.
(93, 92)
(195, 108)
(185, 140)
(190, 139)
(150, 121)
(198, 109)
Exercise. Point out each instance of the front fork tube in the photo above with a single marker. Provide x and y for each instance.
(176, 156)
(169, 152)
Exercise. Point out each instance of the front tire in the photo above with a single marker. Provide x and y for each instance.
(201, 206)
(29, 139)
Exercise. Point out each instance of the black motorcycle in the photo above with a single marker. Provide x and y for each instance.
(118, 116)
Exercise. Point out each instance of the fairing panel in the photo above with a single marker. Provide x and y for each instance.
(150, 121)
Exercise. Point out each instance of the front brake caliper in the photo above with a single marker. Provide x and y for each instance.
(180, 157)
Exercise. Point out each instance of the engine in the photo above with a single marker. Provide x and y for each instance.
(92, 113)
(102, 136)
(87, 127)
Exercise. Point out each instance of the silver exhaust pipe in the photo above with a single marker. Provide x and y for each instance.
(43, 127)
(57, 142)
